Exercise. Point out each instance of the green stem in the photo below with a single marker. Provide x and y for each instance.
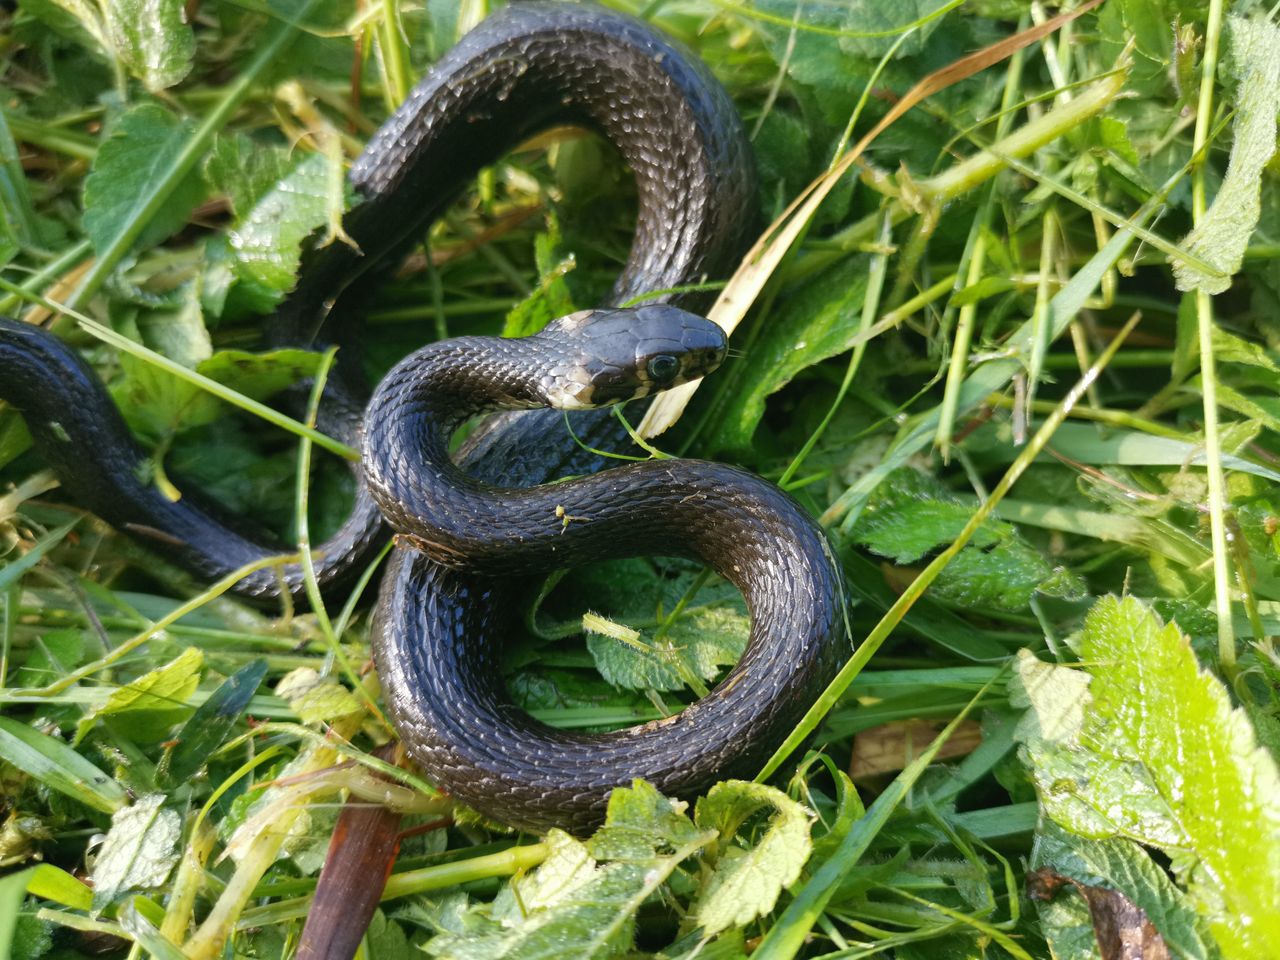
(1208, 372)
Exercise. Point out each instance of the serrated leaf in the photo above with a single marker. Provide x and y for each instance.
(139, 852)
(746, 881)
(889, 20)
(1126, 868)
(698, 644)
(144, 709)
(911, 515)
(267, 242)
(316, 699)
(1224, 231)
(1083, 780)
(56, 765)
(205, 730)
(552, 297)
(245, 171)
(817, 323)
(143, 145)
(152, 39)
(1224, 790)
(574, 904)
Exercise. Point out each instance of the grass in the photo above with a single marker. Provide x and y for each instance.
(977, 342)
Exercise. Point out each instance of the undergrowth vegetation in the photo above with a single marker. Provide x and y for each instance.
(1020, 353)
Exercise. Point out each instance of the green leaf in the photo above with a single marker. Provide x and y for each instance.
(56, 765)
(143, 146)
(818, 322)
(244, 170)
(213, 720)
(146, 933)
(552, 297)
(746, 881)
(889, 19)
(152, 39)
(145, 708)
(1178, 723)
(1223, 233)
(575, 904)
(316, 699)
(1083, 781)
(911, 515)
(139, 852)
(1127, 868)
(267, 242)
(698, 644)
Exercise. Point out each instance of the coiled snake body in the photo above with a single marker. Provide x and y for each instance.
(446, 599)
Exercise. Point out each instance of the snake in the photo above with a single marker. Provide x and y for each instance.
(473, 523)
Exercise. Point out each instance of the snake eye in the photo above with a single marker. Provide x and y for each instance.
(663, 368)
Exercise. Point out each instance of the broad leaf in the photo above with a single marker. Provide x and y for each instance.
(143, 145)
(746, 880)
(152, 39)
(140, 850)
(316, 699)
(144, 709)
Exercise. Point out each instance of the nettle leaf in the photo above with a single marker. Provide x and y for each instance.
(1122, 866)
(911, 515)
(889, 20)
(139, 852)
(1223, 233)
(746, 880)
(819, 322)
(267, 241)
(1178, 723)
(582, 900)
(698, 644)
(316, 699)
(152, 38)
(1083, 779)
(144, 709)
(144, 143)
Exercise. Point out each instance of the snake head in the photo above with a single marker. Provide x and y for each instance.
(613, 355)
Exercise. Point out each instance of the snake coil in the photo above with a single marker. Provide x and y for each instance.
(442, 610)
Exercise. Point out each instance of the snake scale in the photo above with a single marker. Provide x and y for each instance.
(472, 528)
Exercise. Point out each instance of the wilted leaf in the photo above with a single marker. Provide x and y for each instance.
(1223, 233)
(152, 39)
(140, 849)
(316, 699)
(746, 880)
(143, 145)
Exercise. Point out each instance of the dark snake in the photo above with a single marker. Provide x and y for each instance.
(447, 598)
